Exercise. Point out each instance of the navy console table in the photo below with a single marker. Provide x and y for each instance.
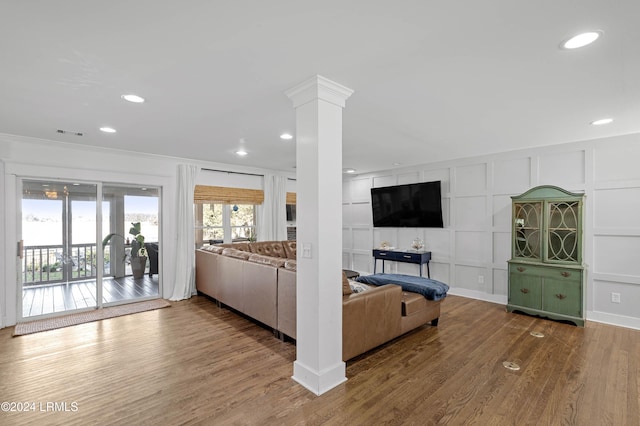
(418, 257)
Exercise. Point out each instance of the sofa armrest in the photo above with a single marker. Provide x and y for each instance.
(370, 319)
(206, 272)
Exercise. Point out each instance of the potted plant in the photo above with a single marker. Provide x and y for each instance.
(139, 255)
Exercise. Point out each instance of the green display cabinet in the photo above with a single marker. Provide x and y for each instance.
(546, 274)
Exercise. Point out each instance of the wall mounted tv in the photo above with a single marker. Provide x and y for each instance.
(416, 205)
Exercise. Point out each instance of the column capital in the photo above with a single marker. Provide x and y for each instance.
(318, 87)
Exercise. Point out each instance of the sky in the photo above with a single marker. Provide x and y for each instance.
(48, 230)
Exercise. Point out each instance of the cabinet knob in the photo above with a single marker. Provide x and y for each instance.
(561, 296)
(521, 269)
(524, 290)
(565, 273)
(382, 254)
(406, 256)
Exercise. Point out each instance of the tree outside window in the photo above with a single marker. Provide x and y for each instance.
(243, 224)
(217, 222)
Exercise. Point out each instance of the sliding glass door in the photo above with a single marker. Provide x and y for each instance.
(62, 239)
(59, 247)
(131, 243)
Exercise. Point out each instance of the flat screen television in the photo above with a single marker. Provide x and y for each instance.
(416, 205)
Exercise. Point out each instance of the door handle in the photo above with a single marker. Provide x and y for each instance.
(21, 249)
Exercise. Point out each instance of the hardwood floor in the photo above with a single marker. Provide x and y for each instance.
(195, 363)
(40, 300)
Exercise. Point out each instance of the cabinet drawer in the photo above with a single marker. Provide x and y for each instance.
(562, 297)
(525, 290)
(552, 272)
(417, 257)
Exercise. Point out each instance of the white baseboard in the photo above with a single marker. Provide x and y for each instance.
(479, 295)
(611, 319)
(319, 382)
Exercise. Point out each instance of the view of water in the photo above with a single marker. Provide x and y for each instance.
(84, 232)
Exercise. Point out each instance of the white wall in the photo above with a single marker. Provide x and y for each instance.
(471, 252)
(35, 158)
(3, 240)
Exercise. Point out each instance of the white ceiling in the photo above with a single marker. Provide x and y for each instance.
(433, 80)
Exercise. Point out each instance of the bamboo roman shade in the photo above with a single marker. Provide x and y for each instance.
(224, 195)
(291, 198)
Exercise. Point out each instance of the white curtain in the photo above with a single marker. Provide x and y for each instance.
(185, 277)
(272, 214)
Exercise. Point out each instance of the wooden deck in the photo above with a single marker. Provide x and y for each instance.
(196, 363)
(49, 299)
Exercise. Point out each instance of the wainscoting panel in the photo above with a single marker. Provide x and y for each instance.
(566, 169)
(467, 216)
(472, 246)
(616, 254)
(512, 176)
(471, 180)
(502, 212)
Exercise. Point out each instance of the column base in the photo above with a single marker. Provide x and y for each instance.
(319, 382)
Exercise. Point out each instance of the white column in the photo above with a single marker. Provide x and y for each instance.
(319, 103)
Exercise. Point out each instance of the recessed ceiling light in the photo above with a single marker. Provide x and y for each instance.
(241, 153)
(350, 171)
(581, 40)
(133, 98)
(602, 121)
(286, 136)
(107, 129)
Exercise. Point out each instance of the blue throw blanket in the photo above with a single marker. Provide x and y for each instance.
(431, 289)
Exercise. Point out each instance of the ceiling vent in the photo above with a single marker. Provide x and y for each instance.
(67, 132)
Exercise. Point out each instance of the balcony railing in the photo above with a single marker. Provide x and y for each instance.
(49, 264)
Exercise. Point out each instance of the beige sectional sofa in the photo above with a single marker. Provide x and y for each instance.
(259, 280)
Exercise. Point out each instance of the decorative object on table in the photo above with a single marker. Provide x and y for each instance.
(417, 244)
(138, 251)
(385, 245)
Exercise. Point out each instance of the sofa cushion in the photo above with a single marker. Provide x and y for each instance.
(215, 249)
(412, 302)
(357, 287)
(290, 249)
(241, 246)
(267, 260)
(239, 254)
(291, 265)
(346, 288)
(268, 248)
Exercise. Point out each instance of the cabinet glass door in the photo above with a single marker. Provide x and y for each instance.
(526, 230)
(563, 239)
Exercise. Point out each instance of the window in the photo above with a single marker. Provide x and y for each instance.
(217, 223)
(212, 223)
(243, 222)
